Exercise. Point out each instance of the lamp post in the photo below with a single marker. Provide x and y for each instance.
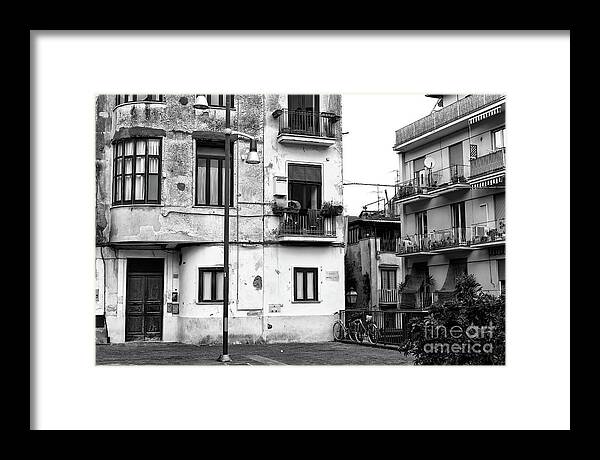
(351, 297)
(252, 158)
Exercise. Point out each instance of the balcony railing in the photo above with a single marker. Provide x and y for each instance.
(427, 181)
(489, 232)
(306, 123)
(389, 296)
(307, 222)
(491, 162)
(479, 233)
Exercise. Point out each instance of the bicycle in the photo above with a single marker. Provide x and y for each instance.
(356, 330)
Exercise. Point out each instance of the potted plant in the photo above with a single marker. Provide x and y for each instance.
(331, 209)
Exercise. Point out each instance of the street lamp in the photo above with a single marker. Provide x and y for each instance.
(252, 158)
(351, 297)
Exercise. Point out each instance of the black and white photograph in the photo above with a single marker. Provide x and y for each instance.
(224, 219)
(264, 230)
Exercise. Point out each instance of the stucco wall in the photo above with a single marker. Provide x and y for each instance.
(260, 265)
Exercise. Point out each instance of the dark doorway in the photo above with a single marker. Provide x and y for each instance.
(303, 113)
(144, 305)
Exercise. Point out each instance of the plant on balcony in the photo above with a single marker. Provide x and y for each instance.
(331, 209)
(279, 210)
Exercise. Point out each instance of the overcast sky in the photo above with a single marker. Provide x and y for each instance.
(371, 121)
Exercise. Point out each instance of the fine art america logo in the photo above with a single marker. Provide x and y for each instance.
(456, 339)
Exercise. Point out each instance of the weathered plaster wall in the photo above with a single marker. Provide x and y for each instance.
(176, 219)
(260, 267)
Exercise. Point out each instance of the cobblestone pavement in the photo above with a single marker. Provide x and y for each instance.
(153, 353)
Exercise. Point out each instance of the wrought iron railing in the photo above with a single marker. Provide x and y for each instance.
(389, 296)
(307, 222)
(393, 327)
(425, 181)
(489, 232)
(306, 123)
(487, 163)
(480, 233)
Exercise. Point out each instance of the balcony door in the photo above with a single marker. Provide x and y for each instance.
(303, 113)
(459, 222)
(456, 162)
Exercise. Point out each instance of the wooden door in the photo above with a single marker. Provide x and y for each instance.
(144, 306)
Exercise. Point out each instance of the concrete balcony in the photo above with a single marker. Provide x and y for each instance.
(433, 183)
(476, 236)
(438, 119)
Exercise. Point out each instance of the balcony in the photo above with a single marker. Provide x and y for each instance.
(492, 233)
(479, 235)
(306, 127)
(306, 225)
(427, 184)
(460, 109)
(417, 301)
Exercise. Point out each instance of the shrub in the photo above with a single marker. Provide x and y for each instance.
(467, 329)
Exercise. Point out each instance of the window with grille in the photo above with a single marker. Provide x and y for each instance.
(137, 168)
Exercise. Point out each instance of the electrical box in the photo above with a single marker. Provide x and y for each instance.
(281, 188)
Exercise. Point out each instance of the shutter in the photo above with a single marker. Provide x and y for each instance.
(304, 173)
(501, 269)
(419, 164)
(500, 205)
(456, 154)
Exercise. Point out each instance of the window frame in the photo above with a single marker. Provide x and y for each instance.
(213, 283)
(121, 99)
(221, 159)
(146, 174)
(385, 274)
(494, 131)
(304, 271)
(305, 183)
(221, 102)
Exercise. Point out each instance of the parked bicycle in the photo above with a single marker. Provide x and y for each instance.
(357, 330)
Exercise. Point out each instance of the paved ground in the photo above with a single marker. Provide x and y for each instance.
(270, 354)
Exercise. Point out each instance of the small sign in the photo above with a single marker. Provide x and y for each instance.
(332, 276)
(169, 308)
(275, 308)
(175, 308)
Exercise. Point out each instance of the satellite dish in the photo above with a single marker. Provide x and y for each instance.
(429, 162)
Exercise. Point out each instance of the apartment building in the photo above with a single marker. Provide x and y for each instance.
(160, 218)
(372, 265)
(451, 197)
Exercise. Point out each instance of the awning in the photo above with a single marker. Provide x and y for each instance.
(454, 269)
(489, 182)
(485, 115)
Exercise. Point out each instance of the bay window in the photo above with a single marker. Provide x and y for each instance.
(137, 165)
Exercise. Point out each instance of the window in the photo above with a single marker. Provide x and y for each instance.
(388, 279)
(137, 167)
(123, 98)
(210, 284)
(498, 139)
(218, 100)
(305, 284)
(210, 166)
(304, 185)
(353, 235)
(502, 275)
